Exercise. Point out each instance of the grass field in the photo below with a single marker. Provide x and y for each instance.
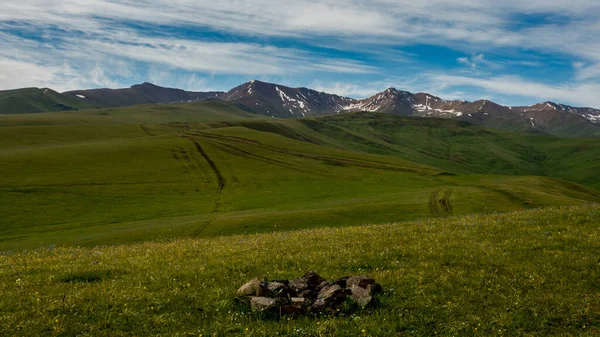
(527, 273)
(207, 169)
(143, 221)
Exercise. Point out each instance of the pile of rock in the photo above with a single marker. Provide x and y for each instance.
(309, 294)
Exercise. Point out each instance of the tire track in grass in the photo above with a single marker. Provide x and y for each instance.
(222, 183)
(221, 179)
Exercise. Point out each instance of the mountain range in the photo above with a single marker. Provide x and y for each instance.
(284, 102)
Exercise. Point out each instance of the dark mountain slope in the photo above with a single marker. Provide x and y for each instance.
(145, 93)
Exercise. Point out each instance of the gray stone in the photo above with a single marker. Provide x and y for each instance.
(301, 301)
(251, 288)
(361, 296)
(262, 303)
(341, 281)
(318, 306)
(275, 287)
(298, 285)
(361, 281)
(313, 279)
(332, 294)
(306, 293)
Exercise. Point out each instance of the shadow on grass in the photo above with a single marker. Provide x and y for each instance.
(91, 276)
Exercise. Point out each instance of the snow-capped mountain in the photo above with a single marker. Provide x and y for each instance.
(281, 101)
(276, 100)
(593, 115)
(543, 118)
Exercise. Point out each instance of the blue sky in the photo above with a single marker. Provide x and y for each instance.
(509, 51)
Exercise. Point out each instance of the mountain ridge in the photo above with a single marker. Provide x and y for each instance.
(275, 100)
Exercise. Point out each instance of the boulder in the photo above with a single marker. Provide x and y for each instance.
(312, 279)
(341, 281)
(275, 287)
(333, 294)
(298, 285)
(307, 294)
(301, 301)
(252, 288)
(318, 306)
(361, 281)
(262, 304)
(361, 296)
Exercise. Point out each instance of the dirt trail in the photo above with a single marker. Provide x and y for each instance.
(213, 166)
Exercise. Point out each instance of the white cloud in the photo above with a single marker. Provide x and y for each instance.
(101, 62)
(366, 89)
(584, 72)
(92, 42)
(577, 94)
(463, 24)
(346, 89)
(475, 61)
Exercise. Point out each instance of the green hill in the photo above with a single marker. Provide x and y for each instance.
(531, 273)
(34, 100)
(206, 111)
(206, 169)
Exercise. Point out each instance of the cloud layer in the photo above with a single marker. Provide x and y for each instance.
(548, 50)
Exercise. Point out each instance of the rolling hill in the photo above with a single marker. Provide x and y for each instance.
(205, 169)
(36, 100)
(172, 207)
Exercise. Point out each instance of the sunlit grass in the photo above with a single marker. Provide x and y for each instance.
(531, 273)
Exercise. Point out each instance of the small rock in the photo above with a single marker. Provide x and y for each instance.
(275, 287)
(361, 281)
(332, 294)
(262, 304)
(341, 281)
(310, 293)
(361, 296)
(322, 285)
(313, 279)
(307, 293)
(298, 285)
(251, 288)
(318, 306)
(301, 301)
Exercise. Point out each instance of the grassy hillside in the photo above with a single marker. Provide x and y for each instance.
(531, 273)
(460, 147)
(34, 100)
(126, 175)
(206, 111)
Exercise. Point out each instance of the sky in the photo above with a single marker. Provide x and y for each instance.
(512, 52)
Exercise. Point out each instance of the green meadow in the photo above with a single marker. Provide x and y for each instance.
(194, 170)
(525, 273)
(143, 221)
